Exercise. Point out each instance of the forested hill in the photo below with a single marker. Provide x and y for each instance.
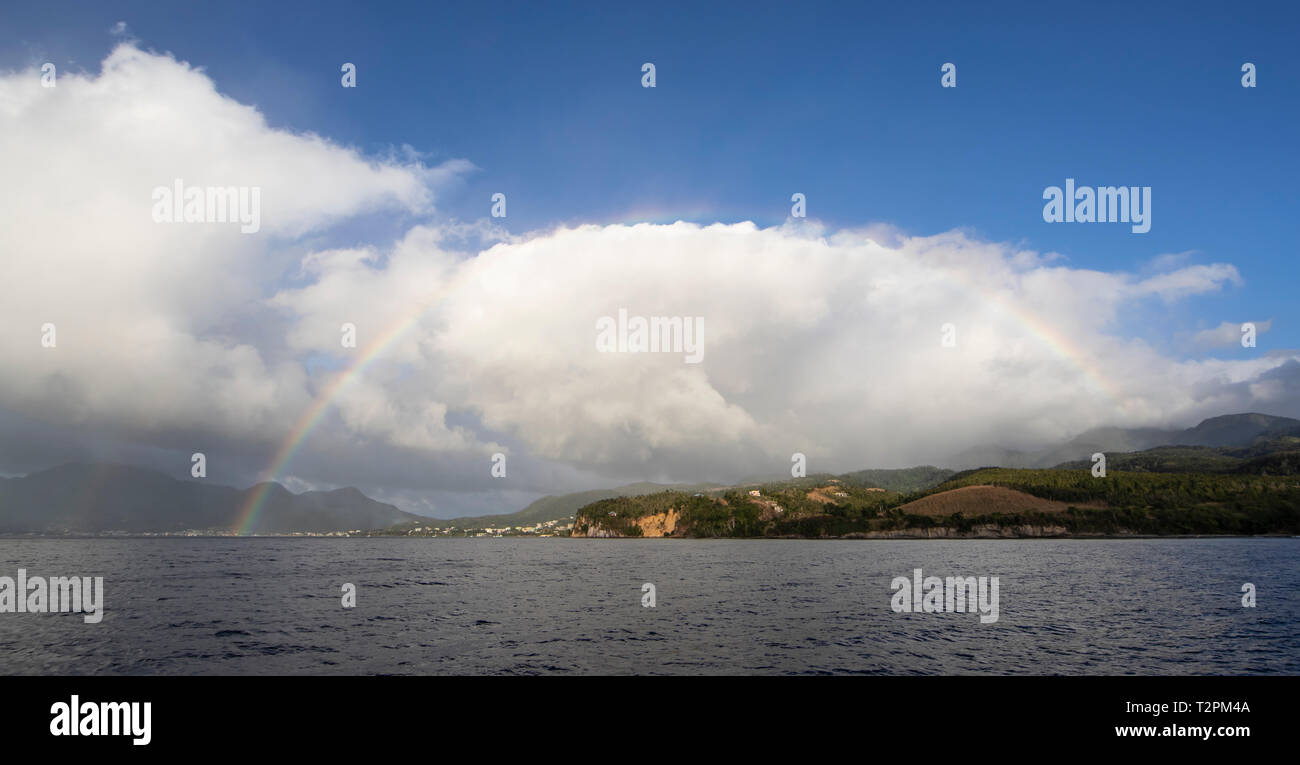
(1161, 491)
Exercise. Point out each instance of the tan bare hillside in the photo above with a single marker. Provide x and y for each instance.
(983, 500)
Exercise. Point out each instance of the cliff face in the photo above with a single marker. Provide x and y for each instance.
(655, 525)
(660, 524)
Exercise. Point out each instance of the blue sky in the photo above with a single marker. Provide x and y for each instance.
(756, 101)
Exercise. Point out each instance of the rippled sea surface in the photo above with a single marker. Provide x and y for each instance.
(560, 606)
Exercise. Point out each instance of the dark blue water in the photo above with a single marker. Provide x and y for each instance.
(559, 606)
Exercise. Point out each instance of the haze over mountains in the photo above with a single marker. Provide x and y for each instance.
(1225, 430)
(100, 498)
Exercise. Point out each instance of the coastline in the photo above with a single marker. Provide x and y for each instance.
(856, 537)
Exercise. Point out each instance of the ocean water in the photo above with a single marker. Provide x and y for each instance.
(558, 606)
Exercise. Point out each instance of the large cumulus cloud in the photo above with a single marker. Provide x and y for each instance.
(826, 343)
(161, 327)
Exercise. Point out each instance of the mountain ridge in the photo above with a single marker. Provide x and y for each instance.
(101, 498)
(1223, 430)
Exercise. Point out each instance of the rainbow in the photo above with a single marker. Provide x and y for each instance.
(252, 509)
(1060, 344)
(247, 518)
(248, 515)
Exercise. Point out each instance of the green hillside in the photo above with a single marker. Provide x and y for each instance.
(1157, 503)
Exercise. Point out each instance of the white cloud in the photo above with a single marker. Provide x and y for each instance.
(160, 327)
(1183, 282)
(1226, 335)
(825, 345)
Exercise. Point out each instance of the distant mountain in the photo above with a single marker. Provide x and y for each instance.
(1268, 455)
(989, 455)
(1163, 459)
(1235, 430)
(1229, 430)
(97, 498)
(902, 480)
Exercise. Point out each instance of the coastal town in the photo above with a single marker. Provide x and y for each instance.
(552, 528)
(560, 527)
